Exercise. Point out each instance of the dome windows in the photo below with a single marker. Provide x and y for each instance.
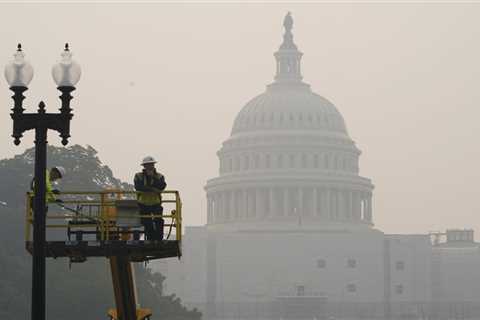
(315, 161)
(327, 161)
(246, 163)
(267, 161)
(236, 164)
(291, 162)
(280, 161)
(256, 163)
(311, 160)
(304, 161)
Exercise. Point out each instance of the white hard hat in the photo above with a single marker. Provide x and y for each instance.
(148, 160)
(60, 170)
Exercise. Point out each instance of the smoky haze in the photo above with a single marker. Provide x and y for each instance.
(168, 81)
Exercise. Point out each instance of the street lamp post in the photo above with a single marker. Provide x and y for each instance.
(19, 73)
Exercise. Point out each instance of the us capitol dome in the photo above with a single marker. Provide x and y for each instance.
(289, 160)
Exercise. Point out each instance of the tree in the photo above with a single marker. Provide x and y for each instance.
(83, 291)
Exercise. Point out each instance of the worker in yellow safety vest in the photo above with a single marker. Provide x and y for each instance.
(149, 185)
(52, 175)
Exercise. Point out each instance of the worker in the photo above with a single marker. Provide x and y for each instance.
(53, 175)
(149, 185)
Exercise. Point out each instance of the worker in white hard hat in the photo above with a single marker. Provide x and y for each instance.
(54, 174)
(149, 184)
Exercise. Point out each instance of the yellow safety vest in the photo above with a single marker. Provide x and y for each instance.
(148, 198)
(49, 195)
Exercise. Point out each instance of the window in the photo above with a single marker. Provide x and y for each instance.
(280, 161)
(300, 290)
(399, 289)
(245, 163)
(351, 263)
(221, 166)
(292, 161)
(321, 263)
(236, 164)
(315, 161)
(400, 265)
(351, 287)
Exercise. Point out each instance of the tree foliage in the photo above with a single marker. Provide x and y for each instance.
(77, 292)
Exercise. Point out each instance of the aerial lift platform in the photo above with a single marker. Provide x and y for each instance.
(107, 224)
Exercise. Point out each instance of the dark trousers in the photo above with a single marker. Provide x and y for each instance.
(153, 226)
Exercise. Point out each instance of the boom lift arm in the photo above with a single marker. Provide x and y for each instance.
(123, 279)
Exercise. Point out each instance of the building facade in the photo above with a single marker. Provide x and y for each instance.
(290, 231)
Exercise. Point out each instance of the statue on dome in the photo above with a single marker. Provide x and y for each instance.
(288, 22)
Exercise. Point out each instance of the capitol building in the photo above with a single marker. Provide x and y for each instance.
(290, 226)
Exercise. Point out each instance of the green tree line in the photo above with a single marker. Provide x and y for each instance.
(80, 291)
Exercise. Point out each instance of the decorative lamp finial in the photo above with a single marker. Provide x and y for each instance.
(41, 107)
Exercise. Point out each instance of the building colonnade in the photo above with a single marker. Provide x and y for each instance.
(259, 203)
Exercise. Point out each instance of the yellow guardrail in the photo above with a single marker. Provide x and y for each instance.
(99, 209)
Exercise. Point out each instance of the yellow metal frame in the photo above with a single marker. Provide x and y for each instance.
(105, 220)
(142, 314)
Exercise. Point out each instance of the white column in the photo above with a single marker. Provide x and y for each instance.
(355, 206)
(335, 201)
(341, 204)
(223, 207)
(315, 202)
(258, 203)
(233, 214)
(328, 207)
(286, 202)
(209, 210)
(301, 203)
(369, 207)
(251, 203)
(245, 204)
(350, 205)
(218, 208)
(333, 204)
(363, 202)
(271, 203)
(228, 205)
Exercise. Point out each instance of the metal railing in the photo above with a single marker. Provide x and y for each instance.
(98, 211)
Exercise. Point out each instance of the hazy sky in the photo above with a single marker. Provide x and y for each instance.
(168, 80)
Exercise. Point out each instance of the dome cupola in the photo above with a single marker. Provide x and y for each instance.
(289, 158)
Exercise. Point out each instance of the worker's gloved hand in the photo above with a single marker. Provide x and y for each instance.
(58, 200)
(56, 191)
